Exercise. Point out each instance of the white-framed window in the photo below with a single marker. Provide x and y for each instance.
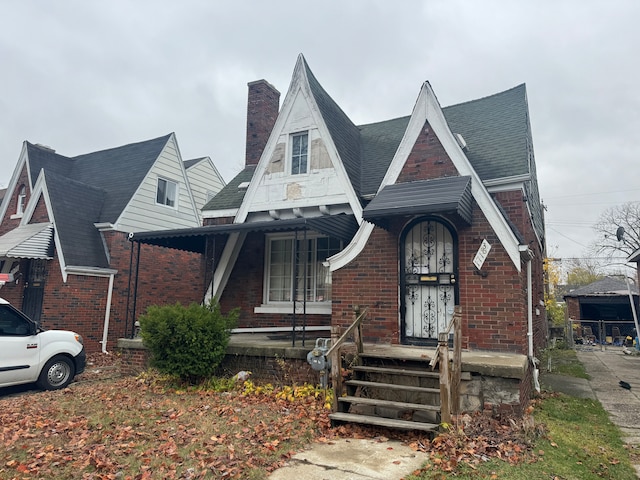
(167, 193)
(299, 153)
(22, 200)
(284, 264)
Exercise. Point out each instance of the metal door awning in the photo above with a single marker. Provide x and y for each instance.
(450, 195)
(342, 226)
(28, 241)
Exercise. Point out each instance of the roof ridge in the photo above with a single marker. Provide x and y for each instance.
(486, 97)
(84, 155)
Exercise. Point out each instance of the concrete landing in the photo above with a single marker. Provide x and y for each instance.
(352, 459)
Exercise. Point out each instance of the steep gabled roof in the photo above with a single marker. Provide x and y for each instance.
(190, 163)
(344, 133)
(41, 157)
(231, 196)
(118, 172)
(75, 206)
(379, 143)
(496, 130)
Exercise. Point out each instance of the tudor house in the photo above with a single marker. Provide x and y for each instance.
(409, 216)
(64, 229)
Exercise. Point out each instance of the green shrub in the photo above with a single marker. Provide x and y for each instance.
(189, 342)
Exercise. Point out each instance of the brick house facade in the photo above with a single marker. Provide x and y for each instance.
(84, 281)
(470, 175)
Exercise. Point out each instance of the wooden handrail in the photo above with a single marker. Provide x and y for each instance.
(449, 379)
(333, 354)
(347, 333)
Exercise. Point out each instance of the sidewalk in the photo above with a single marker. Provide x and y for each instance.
(607, 368)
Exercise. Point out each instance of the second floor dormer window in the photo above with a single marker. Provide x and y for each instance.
(167, 192)
(299, 153)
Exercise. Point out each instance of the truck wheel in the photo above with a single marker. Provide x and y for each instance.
(57, 373)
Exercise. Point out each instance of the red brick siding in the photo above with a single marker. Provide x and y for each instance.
(371, 280)
(494, 307)
(166, 276)
(12, 197)
(514, 204)
(573, 308)
(427, 160)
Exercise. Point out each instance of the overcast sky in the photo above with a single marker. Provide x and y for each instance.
(83, 76)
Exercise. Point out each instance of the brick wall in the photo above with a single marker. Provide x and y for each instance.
(494, 306)
(428, 159)
(166, 276)
(12, 197)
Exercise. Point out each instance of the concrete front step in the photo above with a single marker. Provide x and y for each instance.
(382, 422)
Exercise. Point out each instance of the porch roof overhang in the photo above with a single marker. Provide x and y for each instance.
(342, 226)
(28, 241)
(449, 195)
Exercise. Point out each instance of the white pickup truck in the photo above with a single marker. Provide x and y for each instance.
(30, 354)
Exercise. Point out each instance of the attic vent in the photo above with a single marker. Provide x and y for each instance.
(243, 186)
(461, 142)
(45, 147)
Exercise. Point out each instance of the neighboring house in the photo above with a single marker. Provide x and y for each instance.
(64, 228)
(409, 217)
(3, 191)
(204, 179)
(605, 304)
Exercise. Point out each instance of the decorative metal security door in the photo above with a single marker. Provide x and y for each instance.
(34, 289)
(428, 281)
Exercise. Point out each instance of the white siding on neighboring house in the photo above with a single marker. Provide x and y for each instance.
(143, 213)
(279, 189)
(205, 182)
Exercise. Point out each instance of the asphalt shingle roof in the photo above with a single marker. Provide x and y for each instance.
(231, 196)
(344, 133)
(75, 207)
(91, 188)
(495, 128)
(603, 287)
(118, 171)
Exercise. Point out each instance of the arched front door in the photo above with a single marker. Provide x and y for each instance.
(428, 280)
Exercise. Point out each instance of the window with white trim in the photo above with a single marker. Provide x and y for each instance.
(282, 268)
(299, 153)
(22, 200)
(167, 192)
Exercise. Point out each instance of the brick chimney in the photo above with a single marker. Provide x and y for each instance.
(262, 110)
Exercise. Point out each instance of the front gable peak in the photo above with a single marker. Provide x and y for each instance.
(309, 163)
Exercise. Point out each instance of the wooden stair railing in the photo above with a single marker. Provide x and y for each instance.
(449, 382)
(333, 354)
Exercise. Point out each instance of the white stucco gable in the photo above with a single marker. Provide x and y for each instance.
(324, 188)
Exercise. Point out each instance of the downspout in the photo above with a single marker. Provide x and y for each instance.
(107, 314)
(532, 359)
